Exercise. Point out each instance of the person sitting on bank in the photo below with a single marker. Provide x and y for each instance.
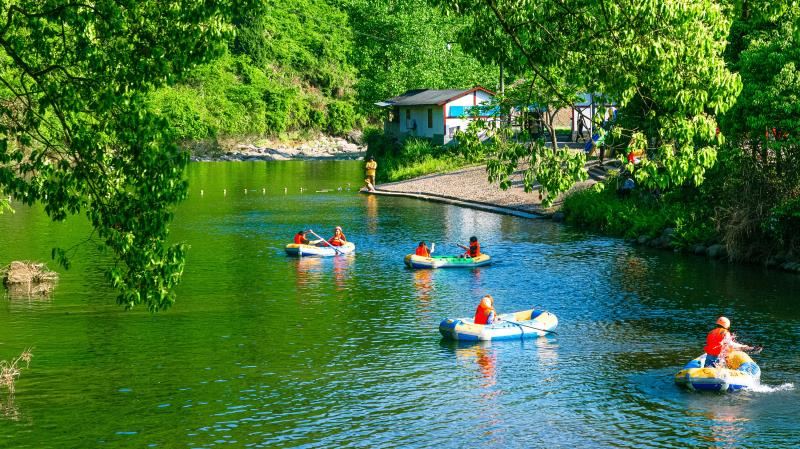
(627, 187)
(719, 342)
(300, 238)
(338, 238)
(474, 249)
(485, 313)
(422, 249)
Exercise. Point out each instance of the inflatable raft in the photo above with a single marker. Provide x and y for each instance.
(414, 261)
(512, 326)
(317, 248)
(741, 373)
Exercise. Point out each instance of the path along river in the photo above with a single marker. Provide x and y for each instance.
(262, 350)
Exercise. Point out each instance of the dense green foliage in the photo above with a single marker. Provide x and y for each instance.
(408, 44)
(75, 132)
(318, 65)
(661, 62)
(751, 197)
(643, 213)
(287, 68)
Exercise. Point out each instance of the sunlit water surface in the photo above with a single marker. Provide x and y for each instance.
(262, 350)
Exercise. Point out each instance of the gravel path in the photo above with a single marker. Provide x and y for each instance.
(471, 185)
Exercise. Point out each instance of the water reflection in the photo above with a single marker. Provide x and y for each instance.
(485, 359)
(372, 213)
(341, 270)
(309, 272)
(423, 284)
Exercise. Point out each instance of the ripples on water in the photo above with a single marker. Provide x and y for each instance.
(268, 351)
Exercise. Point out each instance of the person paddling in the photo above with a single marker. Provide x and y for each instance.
(719, 342)
(474, 249)
(300, 238)
(485, 313)
(338, 238)
(422, 250)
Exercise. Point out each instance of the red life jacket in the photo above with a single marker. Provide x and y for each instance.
(422, 251)
(714, 341)
(474, 249)
(338, 240)
(299, 239)
(482, 313)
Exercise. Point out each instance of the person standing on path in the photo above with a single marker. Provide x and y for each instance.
(719, 342)
(371, 167)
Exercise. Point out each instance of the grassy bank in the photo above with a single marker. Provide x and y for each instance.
(744, 210)
(643, 213)
(412, 157)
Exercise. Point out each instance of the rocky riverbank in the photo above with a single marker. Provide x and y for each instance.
(320, 147)
(713, 251)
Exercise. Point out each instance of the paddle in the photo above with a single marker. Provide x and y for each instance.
(525, 325)
(755, 350)
(325, 241)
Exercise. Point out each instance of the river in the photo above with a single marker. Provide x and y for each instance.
(262, 350)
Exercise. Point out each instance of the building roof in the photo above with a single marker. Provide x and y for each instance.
(420, 97)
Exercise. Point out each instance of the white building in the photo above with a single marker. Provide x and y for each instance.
(433, 114)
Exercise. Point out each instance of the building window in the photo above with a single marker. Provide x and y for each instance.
(408, 114)
(430, 118)
(395, 115)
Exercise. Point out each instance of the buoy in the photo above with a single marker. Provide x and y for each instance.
(285, 189)
(225, 192)
(245, 191)
(201, 192)
(263, 191)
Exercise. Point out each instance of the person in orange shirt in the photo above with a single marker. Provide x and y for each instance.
(338, 238)
(485, 313)
(719, 342)
(300, 238)
(474, 249)
(422, 250)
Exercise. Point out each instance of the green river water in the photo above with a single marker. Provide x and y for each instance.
(263, 350)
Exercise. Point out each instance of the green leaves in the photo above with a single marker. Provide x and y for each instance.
(660, 62)
(76, 132)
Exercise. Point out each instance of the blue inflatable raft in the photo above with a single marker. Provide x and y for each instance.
(512, 326)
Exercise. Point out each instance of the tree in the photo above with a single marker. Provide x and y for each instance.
(408, 44)
(661, 62)
(75, 132)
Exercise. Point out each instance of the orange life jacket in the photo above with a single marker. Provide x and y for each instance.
(482, 313)
(422, 251)
(714, 341)
(338, 240)
(474, 249)
(299, 238)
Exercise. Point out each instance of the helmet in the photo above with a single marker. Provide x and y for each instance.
(724, 322)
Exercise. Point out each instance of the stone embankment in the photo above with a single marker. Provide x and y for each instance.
(320, 148)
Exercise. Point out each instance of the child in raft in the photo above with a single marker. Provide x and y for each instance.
(474, 249)
(485, 313)
(338, 238)
(300, 238)
(422, 249)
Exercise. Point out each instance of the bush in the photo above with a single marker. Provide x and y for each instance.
(341, 117)
(642, 213)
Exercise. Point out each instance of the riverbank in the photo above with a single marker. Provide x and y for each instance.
(316, 147)
(469, 187)
(672, 224)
